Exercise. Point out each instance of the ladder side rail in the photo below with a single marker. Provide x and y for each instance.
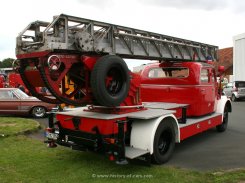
(120, 40)
(137, 31)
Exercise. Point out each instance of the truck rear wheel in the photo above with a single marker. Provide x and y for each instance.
(164, 143)
(222, 127)
(110, 80)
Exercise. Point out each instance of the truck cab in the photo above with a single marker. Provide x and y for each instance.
(191, 83)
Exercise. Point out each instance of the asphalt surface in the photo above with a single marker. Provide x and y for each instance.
(209, 150)
(212, 150)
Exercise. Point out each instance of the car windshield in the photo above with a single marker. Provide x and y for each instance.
(20, 93)
(240, 84)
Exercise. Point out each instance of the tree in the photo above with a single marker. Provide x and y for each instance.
(6, 63)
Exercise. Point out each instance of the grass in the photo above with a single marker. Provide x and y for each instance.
(23, 159)
(27, 160)
(13, 126)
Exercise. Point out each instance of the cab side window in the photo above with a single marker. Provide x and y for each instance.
(204, 76)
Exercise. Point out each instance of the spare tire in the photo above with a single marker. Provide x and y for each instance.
(110, 81)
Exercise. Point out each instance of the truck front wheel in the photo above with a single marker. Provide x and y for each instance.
(222, 127)
(164, 143)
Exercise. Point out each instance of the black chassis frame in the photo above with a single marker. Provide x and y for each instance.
(83, 141)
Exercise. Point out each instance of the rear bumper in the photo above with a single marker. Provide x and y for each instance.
(112, 145)
(239, 95)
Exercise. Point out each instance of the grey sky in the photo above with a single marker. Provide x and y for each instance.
(189, 4)
(207, 5)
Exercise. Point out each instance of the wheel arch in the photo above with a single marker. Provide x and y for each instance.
(143, 131)
(228, 104)
(222, 103)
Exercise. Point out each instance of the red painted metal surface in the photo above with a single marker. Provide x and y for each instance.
(201, 96)
(89, 61)
(31, 74)
(15, 81)
(134, 94)
(105, 127)
(196, 128)
(76, 68)
(178, 113)
(33, 55)
(2, 81)
(55, 77)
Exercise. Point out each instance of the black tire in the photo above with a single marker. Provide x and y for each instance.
(110, 81)
(223, 126)
(38, 112)
(233, 98)
(164, 143)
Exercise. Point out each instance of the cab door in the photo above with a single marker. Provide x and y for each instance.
(208, 90)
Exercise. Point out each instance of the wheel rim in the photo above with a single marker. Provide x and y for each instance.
(114, 81)
(39, 111)
(164, 142)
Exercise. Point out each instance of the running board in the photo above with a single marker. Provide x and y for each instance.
(132, 153)
(194, 126)
(194, 120)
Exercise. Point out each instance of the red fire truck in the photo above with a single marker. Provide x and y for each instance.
(12, 80)
(2, 80)
(122, 114)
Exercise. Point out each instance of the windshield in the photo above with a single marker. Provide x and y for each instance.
(20, 93)
(240, 84)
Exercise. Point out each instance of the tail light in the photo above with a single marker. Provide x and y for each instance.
(112, 157)
(50, 130)
(110, 140)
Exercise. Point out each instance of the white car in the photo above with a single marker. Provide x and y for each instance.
(235, 90)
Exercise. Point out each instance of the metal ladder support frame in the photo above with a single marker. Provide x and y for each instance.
(113, 39)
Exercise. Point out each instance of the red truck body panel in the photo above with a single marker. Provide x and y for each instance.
(202, 126)
(15, 80)
(105, 127)
(200, 95)
(2, 81)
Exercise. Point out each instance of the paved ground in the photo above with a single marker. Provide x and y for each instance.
(210, 150)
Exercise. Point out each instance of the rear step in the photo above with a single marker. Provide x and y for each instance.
(132, 153)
